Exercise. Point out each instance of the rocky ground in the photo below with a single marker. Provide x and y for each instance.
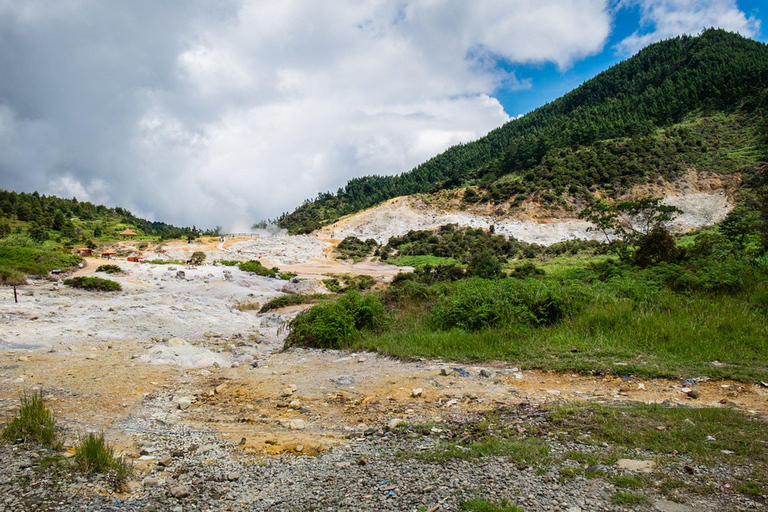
(187, 379)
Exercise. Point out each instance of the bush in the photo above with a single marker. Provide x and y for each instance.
(409, 292)
(353, 247)
(197, 258)
(343, 283)
(655, 247)
(32, 423)
(109, 269)
(478, 303)
(93, 284)
(526, 270)
(94, 455)
(257, 268)
(486, 266)
(335, 324)
(291, 299)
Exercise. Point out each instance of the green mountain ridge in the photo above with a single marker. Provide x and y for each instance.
(69, 221)
(692, 101)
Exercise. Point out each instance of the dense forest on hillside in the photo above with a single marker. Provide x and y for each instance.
(69, 221)
(654, 114)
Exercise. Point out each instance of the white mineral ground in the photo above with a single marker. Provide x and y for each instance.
(117, 361)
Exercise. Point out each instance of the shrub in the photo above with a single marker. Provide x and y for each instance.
(32, 423)
(341, 283)
(478, 303)
(93, 284)
(335, 324)
(408, 292)
(257, 268)
(291, 299)
(655, 247)
(109, 269)
(525, 270)
(94, 455)
(486, 266)
(197, 258)
(353, 247)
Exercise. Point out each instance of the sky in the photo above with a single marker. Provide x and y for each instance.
(229, 112)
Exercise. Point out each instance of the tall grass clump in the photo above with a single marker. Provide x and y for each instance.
(336, 324)
(93, 454)
(479, 303)
(33, 423)
(93, 284)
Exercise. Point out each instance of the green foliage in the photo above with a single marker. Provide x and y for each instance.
(475, 304)
(291, 299)
(257, 268)
(34, 261)
(421, 260)
(656, 247)
(93, 454)
(197, 258)
(666, 320)
(628, 498)
(634, 428)
(335, 324)
(11, 277)
(627, 125)
(629, 221)
(481, 505)
(47, 217)
(354, 248)
(109, 269)
(525, 270)
(33, 423)
(750, 489)
(486, 265)
(93, 284)
(165, 262)
(340, 283)
(451, 241)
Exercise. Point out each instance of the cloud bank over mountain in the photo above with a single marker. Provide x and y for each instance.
(189, 113)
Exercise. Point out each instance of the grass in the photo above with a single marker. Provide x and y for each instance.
(420, 261)
(109, 269)
(94, 455)
(33, 423)
(165, 262)
(687, 431)
(257, 268)
(93, 284)
(291, 299)
(523, 452)
(482, 505)
(248, 306)
(675, 336)
(628, 498)
(35, 261)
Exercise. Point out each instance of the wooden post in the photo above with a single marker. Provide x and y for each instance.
(15, 297)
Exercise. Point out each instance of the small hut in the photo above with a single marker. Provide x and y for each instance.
(127, 232)
(108, 254)
(84, 251)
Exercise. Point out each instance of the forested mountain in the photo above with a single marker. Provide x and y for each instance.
(658, 112)
(69, 220)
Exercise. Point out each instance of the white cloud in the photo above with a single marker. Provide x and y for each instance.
(669, 18)
(212, 115)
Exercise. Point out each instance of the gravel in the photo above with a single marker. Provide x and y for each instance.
(375, 471)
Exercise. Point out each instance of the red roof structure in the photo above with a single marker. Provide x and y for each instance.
(128, 232)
